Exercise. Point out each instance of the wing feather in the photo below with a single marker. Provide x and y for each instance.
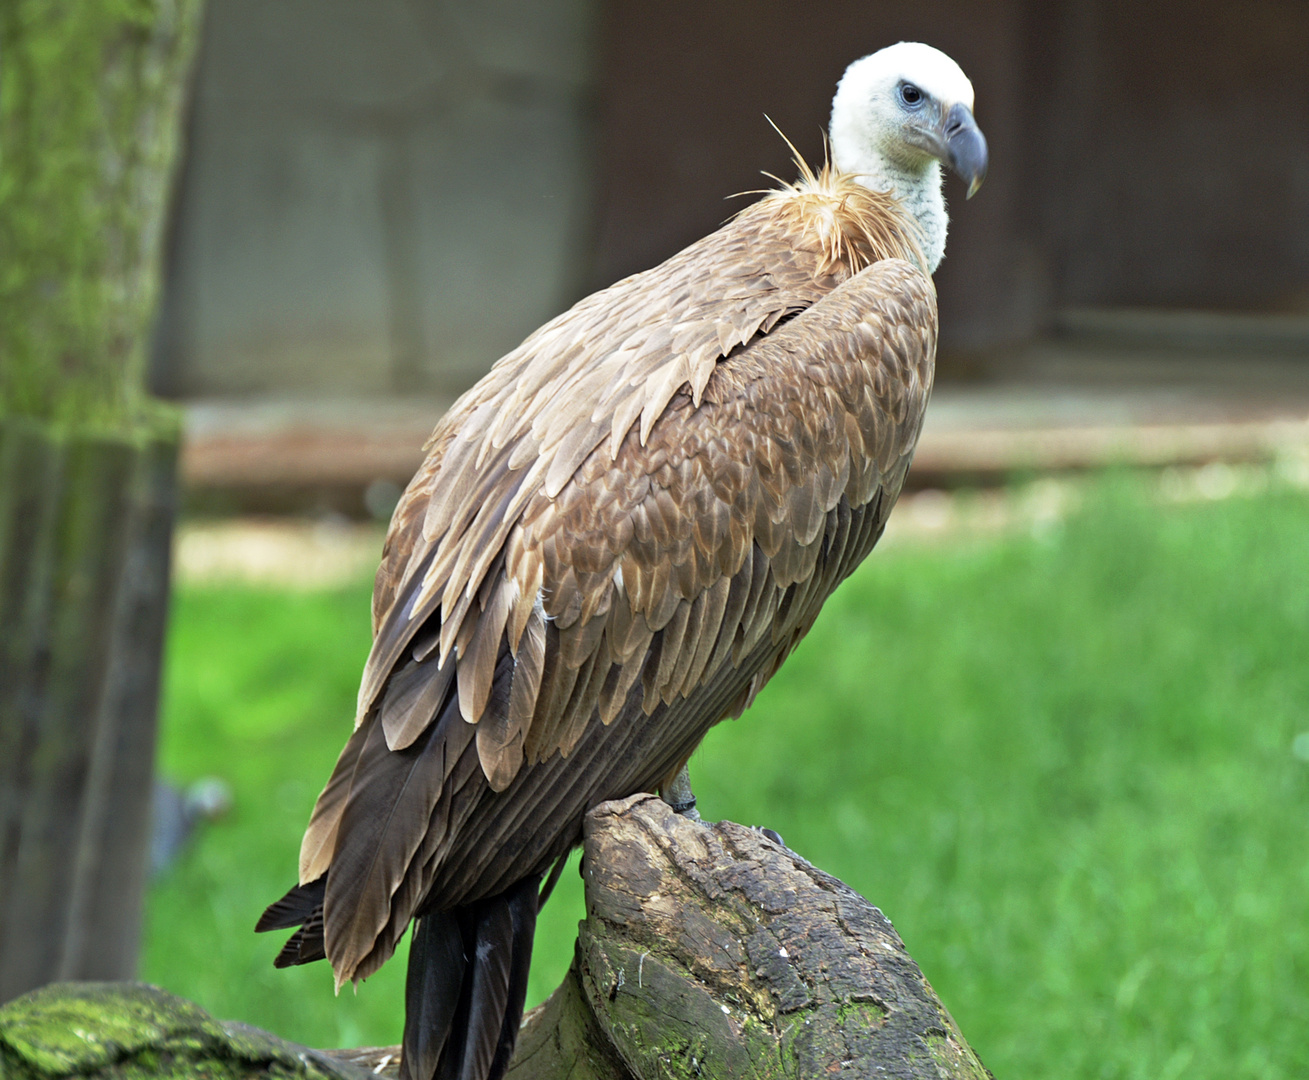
(557, 682)
(690, 645)
(670, 648)
(715, 606)
(476, 664)
(622, 677)
(608, 358)
(627, 628)
(385, 818)
(575, 715)
(320, 837)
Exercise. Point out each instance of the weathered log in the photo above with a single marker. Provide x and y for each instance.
(707, 951)
(710, 950)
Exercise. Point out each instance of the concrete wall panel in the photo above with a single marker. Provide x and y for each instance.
(380, 198)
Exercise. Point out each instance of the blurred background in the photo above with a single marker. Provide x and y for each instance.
(1057, 727)
(379, 201)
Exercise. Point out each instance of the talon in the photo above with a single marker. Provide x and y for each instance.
(774, 836)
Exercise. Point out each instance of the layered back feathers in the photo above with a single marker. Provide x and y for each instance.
(585, 379)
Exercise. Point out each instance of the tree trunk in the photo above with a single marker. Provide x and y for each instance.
(91, 95)
(85, 530)
(90, 100)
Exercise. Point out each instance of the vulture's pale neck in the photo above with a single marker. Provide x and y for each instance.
(916, 182)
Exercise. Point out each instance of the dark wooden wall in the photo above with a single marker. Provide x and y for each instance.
(1173, 152)
(1141, 154)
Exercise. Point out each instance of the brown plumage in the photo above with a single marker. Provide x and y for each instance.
(617, 537)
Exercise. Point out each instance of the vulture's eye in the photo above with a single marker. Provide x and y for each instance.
(910, 96)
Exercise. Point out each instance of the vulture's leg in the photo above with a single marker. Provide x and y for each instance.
(679, 796)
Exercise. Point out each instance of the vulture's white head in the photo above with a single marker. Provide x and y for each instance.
(897, 115)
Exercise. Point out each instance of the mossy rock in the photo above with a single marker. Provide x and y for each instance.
(130, 1031)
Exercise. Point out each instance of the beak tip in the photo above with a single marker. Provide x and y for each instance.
(965, 147)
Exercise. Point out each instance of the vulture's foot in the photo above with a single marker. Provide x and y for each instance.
(680, 797)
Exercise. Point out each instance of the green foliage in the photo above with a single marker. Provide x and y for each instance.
(1062, 764)
(90, 96)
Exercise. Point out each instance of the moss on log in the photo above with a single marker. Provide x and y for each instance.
(126, 1031)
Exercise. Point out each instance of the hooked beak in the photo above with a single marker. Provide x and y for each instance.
(964, 147)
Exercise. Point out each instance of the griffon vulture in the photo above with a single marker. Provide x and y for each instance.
(616, 538)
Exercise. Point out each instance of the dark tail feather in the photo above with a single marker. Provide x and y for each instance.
(304, 946)
(433, 983)
(294, 908)
(523, 905)
(303, 907)
(466, 986)
(488, 991)
(552, 880)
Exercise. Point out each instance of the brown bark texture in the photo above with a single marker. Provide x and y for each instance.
(711, 951)
(85, 534)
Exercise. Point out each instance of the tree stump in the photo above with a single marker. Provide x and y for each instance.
(710, 950)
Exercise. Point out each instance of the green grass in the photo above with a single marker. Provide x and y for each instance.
(1061, 764)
